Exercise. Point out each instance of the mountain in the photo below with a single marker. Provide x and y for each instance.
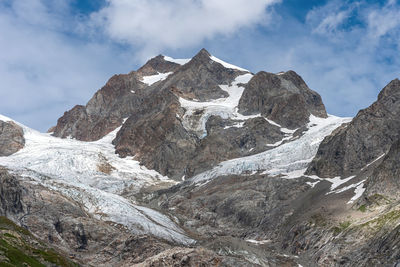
(167, 127)
(197, 162)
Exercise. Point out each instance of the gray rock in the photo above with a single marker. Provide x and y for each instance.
(11, 138)
(157, 138)
(10, 194)
(369, 135)
(385, 179)
(157, 65)
(104, 112)
(283, 98)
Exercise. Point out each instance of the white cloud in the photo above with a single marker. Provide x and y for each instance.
(44, 72)
(332, 22)
(384, 21)
(160, 24)
(331, 18)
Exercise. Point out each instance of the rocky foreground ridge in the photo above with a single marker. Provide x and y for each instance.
(197, 162)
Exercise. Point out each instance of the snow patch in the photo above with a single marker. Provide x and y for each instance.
(312, 184)
(224, 107)
(7, 119)
(182, 61)
(358, 192)
(227, 65)
(258, 242)
(149, 80)
(337, 191)
(372, 162)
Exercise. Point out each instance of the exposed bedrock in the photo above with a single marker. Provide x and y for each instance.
(284, 98)
(11, 138)
(368, 136)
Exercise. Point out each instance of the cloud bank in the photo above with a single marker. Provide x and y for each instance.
(155, 25)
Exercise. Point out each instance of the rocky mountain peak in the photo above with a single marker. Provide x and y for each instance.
(202, 56)
(157, 65)
(392, 89)
(202, 76)
(284, 98)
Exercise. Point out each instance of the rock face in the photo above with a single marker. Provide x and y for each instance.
(125, 94)
(158, 139)
(368, 136)
(385, 177)
(18, 247)
(10, 194)
(11, 138)
(284, 98)
(157, 65)
(104, 112)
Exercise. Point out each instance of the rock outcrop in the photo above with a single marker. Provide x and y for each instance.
(11, 138)
(104, 112)
(157, 65)
(157, 138)
(368, 136)
(10, 194)
(284, 98)
(385, 179)
(64, 225)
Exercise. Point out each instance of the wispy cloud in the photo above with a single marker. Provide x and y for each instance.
(384, 21)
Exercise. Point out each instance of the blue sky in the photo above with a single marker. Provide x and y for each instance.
(58, 53)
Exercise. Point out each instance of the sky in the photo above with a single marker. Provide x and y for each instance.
(58, 53)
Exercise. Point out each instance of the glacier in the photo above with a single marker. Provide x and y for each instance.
(70, 167)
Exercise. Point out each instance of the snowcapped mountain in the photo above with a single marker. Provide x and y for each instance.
(200, 161)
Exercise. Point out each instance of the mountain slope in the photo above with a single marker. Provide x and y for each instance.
(368, 136)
